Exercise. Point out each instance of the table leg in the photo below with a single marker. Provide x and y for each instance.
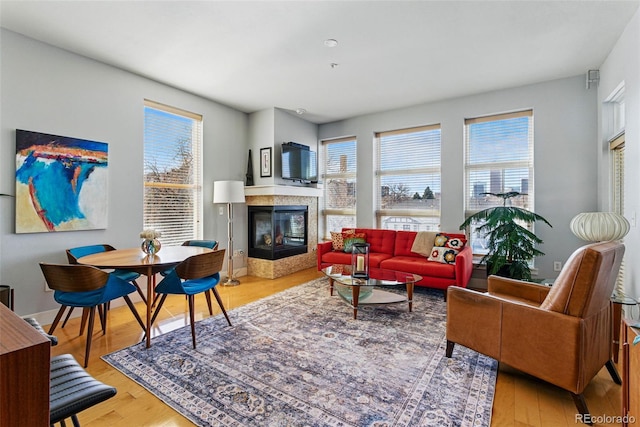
(410, 295)
(330, 286)
(355, 296)
(150, 294)
(616, 319)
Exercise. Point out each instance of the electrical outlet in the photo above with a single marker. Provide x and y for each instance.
(220, 210)
(557, 266)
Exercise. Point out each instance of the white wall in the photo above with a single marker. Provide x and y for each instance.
(623, 66)
(49, 90)
(565, 132)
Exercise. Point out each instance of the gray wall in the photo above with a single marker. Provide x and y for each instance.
(565, 156)
(49, 90)
(622, 66)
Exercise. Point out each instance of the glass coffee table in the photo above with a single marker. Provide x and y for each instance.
(357, 292)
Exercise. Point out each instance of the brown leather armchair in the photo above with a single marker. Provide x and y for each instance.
(562, 334)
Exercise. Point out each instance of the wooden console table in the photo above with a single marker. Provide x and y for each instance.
(630, 373)
(25, 359)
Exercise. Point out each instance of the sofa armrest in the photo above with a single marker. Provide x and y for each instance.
(464, 266)
(517, 289)
(323, 248)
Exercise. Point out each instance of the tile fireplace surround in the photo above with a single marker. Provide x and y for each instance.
(283, 195)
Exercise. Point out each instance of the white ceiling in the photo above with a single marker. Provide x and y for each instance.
(253, 55)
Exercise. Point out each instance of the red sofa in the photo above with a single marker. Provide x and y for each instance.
(391, 249)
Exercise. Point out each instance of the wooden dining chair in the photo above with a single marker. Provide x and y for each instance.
(196, 274)
(87, 287)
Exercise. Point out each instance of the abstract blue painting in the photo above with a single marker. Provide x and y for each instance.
(61, 183)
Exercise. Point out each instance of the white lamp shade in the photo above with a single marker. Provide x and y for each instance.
(599, 226)
(228, 192)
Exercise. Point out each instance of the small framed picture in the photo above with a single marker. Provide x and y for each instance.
(265, 162)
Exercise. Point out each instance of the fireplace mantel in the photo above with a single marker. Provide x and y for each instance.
(283, 190)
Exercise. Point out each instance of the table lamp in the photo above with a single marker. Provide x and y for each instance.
(229, 192)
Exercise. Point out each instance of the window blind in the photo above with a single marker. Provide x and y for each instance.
(408, 178)
(339, 176)
(172, 173)
(498, 159)
(616, 146)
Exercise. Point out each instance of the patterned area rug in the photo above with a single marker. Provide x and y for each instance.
(297, 358)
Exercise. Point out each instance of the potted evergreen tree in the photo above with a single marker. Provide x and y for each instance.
(511, 245)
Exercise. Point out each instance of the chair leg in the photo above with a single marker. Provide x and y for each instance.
(192, 319)
(83, 321)
(155, 313)
(206, 294)
(74, 420)
(92, 315)
(581, 406)
(57, 319)
(615, 376)
(66, 319)
(217, 295)
(135, 312)
(449, 351)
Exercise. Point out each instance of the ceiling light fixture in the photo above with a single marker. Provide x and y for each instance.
(300, 111)
(334, 65)
(331, 42)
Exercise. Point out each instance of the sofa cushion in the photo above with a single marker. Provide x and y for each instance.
(339, 257)
(381, 241)
(420, 265)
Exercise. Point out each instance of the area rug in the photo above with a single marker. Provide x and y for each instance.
(298, 358)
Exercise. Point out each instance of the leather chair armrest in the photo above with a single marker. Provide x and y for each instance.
(474, 320)
(517, 289)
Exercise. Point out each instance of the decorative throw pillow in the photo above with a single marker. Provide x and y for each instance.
(353, 238)
(337, 242)
(337, 239)
(445, 241)
(443, 255)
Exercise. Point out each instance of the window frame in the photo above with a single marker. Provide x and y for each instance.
(326, 212)
(408, 214)
(171, 236)
(501, 166)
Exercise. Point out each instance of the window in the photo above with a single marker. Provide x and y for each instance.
(172, 173)
(339, 175)
(498, 159)
(408, 179)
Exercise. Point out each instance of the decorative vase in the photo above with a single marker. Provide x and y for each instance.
(151, 246)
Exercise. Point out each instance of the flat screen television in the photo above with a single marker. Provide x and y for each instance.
(299, 163)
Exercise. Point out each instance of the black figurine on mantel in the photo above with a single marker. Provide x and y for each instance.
(249, 171)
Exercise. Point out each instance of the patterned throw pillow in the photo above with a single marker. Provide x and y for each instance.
(337, 243)
(443, 255)
(353, 238)
(445, 241)
(337, 239)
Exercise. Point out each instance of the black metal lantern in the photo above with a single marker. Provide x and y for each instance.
(360, 261)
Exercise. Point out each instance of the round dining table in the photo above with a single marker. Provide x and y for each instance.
(135, 260)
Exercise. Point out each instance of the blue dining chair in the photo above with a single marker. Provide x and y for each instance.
(88, 287)
(129, 276)
(196, 274)
(210, 244)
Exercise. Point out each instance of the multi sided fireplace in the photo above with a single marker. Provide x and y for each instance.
(277, 232)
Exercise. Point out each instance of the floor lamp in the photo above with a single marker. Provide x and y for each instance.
(229, 192)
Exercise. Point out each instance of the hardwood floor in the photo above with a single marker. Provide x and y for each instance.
(520, 400)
